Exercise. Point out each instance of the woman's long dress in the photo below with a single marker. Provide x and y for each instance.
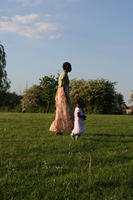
(63, 122)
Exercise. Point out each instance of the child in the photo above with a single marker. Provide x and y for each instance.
(79, 118)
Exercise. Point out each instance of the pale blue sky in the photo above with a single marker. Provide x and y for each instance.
(96, 36)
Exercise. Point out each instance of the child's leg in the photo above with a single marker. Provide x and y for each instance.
(73, 136)
(77, 136)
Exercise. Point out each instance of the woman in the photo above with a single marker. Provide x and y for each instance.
(64, 114)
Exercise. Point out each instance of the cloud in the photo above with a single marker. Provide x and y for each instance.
(25, 19)
(55, 37)
(30, 26)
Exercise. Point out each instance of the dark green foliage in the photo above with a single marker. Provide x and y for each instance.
(118, 103)
(48, 86)
(37, 165)
(10, 102)
(4, 82)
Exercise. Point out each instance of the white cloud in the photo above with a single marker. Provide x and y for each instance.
(55, 37)
(29, 26)
(25, 19)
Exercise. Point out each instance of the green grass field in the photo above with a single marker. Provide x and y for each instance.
(36, 164)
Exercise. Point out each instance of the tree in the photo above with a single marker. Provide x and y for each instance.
(118, 103)
(31, 100)
(79, 88)
(48, 86)
(4, 82)
(131, 97)
(98, 95)
(40, 97)
(11, 101)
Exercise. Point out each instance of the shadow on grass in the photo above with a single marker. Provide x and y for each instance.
(110, 140)
(110, 135)
(119, 159)
(105, 184)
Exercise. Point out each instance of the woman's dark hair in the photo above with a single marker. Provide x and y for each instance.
(67, 66)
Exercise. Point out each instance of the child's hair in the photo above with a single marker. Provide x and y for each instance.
(79, 100)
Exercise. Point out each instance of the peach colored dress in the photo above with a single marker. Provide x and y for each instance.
(63, 122)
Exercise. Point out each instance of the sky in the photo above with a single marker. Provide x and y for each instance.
(95, 36)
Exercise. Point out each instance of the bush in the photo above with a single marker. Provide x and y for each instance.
(99, 95)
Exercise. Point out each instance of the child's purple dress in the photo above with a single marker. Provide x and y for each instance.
(78, 122)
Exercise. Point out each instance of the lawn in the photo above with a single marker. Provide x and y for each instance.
(37, 165)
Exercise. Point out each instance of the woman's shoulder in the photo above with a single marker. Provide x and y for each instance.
(62, 75)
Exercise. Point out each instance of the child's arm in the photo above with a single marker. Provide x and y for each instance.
(81, 116)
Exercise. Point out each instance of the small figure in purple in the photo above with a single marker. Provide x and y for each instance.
(79, 118)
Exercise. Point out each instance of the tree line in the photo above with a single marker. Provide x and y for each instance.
(100, 95)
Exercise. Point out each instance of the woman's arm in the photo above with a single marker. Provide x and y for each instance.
(66, 94)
